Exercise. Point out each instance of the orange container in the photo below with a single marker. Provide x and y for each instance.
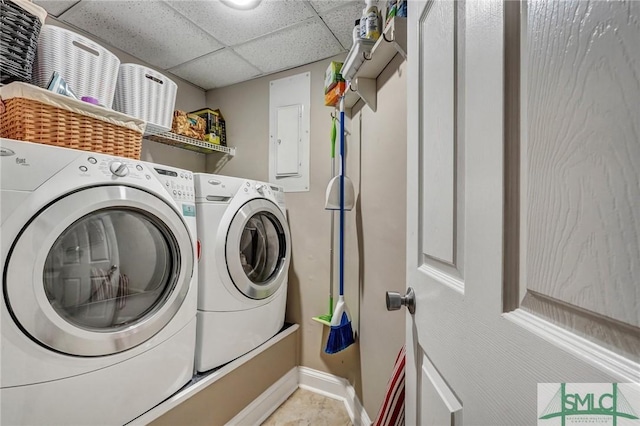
(332, 97)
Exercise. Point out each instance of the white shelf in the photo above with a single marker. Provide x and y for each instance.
(363, 83)
(191, 144)
(154, 129)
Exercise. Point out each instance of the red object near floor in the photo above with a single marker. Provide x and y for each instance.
(392, 410)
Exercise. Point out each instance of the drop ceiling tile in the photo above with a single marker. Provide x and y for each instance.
(341, 22)
(305, 43)
(232, 26)
(55, 7)
(149, 30)
(325, 5)
(218, 69)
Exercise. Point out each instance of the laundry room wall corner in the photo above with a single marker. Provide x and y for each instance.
(246, 110)
(375, 238)
(381, 223)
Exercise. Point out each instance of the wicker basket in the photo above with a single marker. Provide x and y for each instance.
(20, 24)
(53, 123)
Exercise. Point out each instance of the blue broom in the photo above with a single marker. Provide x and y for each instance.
(341, 334)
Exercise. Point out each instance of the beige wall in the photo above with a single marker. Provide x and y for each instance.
(188, 98)
(381, 227)
(375, 241)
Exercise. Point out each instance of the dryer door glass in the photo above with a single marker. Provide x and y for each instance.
(262, 247)
(258, 249)
(110, 269)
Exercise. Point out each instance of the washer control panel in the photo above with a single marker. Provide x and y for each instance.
(114, 168)
(178, 183)
(119, 168)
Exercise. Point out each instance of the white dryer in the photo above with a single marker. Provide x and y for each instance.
(243, 267)
(99, 285)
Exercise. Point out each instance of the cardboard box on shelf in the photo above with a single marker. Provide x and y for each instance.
(332, 76)
(212, 138)
(215, 125)
(189, 125)
(332, 97)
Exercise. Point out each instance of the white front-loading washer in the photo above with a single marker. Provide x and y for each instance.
(243, 268)
(99, 285)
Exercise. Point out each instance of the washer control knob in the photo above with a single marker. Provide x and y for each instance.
(119, 168)
(260, 188)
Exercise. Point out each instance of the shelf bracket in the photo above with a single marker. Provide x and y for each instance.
(399, 36)
(366, 88)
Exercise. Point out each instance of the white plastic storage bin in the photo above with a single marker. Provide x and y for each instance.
(88, 68)
(146, 94)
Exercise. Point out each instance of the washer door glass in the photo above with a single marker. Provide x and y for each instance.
(261, 247)
(258, 249)
(110, 269)
(99, 271)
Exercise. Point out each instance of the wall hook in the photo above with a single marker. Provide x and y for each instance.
(384, 36)
(366, 58)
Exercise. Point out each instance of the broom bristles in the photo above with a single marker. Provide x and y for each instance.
(340, 336)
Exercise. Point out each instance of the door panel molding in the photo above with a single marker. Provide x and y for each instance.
(583, 198)
(594, 354)
(441, 113)
(512, 141)
(572, 227)
(439, 404)
(443, 277)
(610, 334)
(437, 113)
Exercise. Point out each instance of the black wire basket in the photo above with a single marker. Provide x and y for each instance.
(19, 32)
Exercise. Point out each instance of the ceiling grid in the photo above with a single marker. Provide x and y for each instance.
(210, 44)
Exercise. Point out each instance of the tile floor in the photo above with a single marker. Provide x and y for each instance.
(305, 408)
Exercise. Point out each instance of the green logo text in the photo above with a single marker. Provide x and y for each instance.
(612, 404)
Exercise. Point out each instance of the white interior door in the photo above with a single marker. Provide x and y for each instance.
(523, 228)
(93, 250)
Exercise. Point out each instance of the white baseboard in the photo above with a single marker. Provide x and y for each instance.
(305, 378)
(264, 405)
(337, 388)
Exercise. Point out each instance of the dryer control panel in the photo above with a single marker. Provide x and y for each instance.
(278, 192)
(179, 183)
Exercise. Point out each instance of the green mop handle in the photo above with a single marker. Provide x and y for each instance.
(333, 142)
